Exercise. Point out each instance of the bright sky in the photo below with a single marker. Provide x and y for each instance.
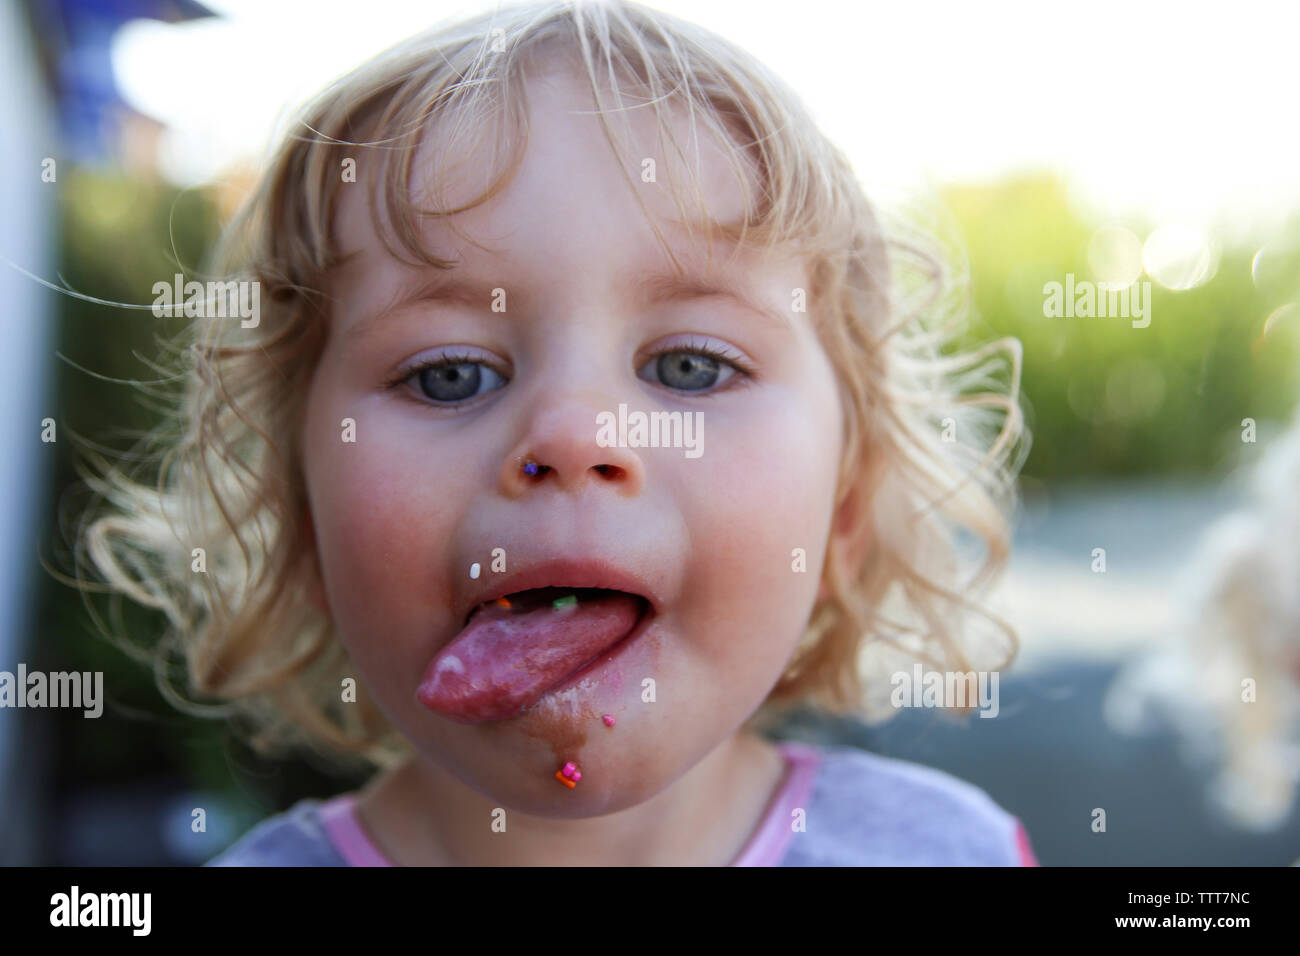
(1180, 111)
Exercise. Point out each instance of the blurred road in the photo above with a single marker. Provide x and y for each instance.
(1049, 757)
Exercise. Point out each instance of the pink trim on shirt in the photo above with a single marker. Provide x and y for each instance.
(768, 844)
(765, 848)
(1027, 857)
(342, 825)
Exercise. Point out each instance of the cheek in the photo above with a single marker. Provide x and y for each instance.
(379, 513)
(770, 492)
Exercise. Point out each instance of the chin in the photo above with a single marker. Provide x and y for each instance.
(617, 774)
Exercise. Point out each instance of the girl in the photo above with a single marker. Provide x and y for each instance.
(423, 544)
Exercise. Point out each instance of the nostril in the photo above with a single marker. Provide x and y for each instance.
(610, 471)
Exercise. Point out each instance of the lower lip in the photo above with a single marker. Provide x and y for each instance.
(596, 672)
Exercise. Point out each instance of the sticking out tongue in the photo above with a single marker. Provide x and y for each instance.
(507, 657)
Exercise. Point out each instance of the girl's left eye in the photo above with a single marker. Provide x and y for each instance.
(695, 368)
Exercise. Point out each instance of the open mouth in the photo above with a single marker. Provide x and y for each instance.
(514, 648)
(556, 598)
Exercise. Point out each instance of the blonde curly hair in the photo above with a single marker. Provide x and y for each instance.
(933, 432)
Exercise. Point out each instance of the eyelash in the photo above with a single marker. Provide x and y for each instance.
(745, 371)
(447, 358)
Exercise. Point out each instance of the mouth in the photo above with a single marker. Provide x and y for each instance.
(532, 599)
(516, 646)
(569, 576)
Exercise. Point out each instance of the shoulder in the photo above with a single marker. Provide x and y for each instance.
(865, 809)
(293, 838)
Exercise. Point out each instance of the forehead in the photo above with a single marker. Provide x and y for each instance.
(572, 203)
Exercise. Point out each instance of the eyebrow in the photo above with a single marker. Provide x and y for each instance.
(652, 288)
(645, 289)
(445, 287)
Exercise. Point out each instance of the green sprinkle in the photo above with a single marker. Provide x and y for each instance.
(570, 600)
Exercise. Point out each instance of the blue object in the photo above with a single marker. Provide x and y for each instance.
(74, 38)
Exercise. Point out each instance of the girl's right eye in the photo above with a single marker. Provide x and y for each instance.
(448, 382)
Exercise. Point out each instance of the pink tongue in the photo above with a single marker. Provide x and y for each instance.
(503, 662)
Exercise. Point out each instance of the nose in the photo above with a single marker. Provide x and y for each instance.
(559, 449)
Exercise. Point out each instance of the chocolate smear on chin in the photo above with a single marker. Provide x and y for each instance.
(561, 722)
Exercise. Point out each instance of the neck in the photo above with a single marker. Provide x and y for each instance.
(419, 815)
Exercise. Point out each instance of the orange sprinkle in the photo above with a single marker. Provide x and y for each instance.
(564, 780)
(502, 602)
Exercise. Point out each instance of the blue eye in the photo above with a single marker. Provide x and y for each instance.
(693, 369)
(456, 380)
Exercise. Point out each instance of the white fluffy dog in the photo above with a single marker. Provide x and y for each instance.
(1230, 681)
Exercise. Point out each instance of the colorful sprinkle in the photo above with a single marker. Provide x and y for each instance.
(569, 600)
(569, 774)
(502, 602)
(530, 468)
(474, 570)
(608, 719)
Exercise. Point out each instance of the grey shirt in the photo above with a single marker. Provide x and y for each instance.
(837, 806)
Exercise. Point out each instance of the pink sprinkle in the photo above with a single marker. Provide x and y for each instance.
(568, 769)
(577, 775)
(609, 720)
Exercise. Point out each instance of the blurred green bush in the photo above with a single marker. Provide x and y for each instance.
(1106, 399)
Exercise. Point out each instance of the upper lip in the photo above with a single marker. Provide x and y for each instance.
(560, 573)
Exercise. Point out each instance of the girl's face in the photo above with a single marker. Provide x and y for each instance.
(563, 318)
